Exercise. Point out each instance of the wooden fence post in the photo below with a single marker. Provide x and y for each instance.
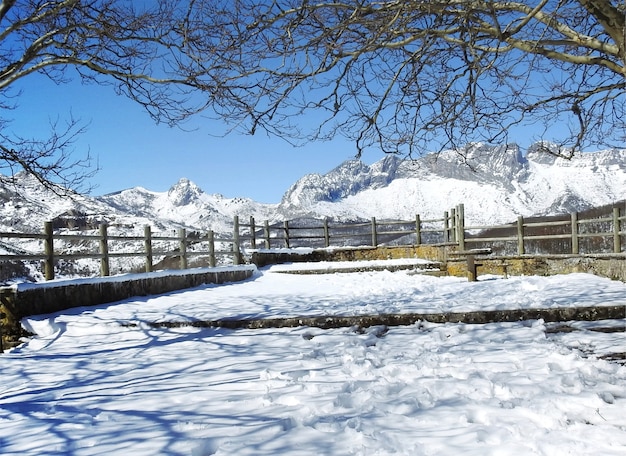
(48, 246)
(418, 230)
(574, 233)
(453, 225)
(266, 233)
(446, 228)
(617, 242)
(104, 251)
(374, 233)
(326, 233)
(211, 238)
(236, 255)
(2, 316)
(147, 243)
(520, 235)
(471, 268)
(460, 226)
(286, 232)
(252, 233)
(182, 247)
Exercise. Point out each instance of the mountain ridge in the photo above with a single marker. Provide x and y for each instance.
(496, 183)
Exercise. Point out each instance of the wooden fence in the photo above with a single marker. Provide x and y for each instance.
(183, 246)
(324, 233)
(178, 250)
(574, 233)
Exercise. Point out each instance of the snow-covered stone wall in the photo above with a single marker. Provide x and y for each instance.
(19, 301)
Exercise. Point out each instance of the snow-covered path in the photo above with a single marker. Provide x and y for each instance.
(90, 386)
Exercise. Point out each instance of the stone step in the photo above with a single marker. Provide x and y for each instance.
(417, 266)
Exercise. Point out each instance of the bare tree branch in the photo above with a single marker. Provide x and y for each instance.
(408, 76)
(50, 160)
(404, 77)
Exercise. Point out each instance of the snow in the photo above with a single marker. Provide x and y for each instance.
(335, 266)
(119, 278)
(91, 384)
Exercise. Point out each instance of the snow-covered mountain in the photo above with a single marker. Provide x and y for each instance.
(187, 205)
(496, 183)
(26, 205)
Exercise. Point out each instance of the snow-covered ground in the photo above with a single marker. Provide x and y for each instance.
(89, 384)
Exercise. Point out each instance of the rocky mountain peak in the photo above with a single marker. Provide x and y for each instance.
(349, 178)
(184, 192)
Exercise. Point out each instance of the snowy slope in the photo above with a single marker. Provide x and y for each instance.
(26, 205)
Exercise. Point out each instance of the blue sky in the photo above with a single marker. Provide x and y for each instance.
(133, 151)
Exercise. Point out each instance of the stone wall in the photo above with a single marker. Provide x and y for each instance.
(610, 266)
(22, 301)
(437, 253)
(32, 299)
(454, 263)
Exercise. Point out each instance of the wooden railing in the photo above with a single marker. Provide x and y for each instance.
(324, 233)
(149, 246)
(573, 234)
(583, 233)
(178, 250)
(567, 234)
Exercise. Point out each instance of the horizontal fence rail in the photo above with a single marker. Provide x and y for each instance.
(574, 233)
